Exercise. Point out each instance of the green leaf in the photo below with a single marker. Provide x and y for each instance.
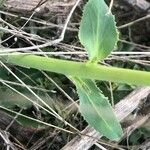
(96, 109)
(98, 33)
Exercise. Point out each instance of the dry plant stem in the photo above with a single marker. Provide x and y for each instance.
(52, 111)
(4, 135)
(110, 6)
(19, 33)
(122, 110)
(38, 121)
(54, 41)
(135, 44)
(31, 87)
(100, 146)
(134, 22)
(26, 97)
(141, 4)
(79, 69)
(145, 54)
(43, 22)
(60, 89)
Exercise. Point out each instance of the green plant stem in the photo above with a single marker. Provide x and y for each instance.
(80, 69)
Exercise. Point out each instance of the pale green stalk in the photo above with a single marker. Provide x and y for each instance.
(80, 69)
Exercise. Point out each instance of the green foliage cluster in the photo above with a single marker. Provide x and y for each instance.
(98, 34)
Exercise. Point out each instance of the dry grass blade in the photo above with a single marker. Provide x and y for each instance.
(4, 135)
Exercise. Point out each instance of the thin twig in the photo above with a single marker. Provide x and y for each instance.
(134, 22)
